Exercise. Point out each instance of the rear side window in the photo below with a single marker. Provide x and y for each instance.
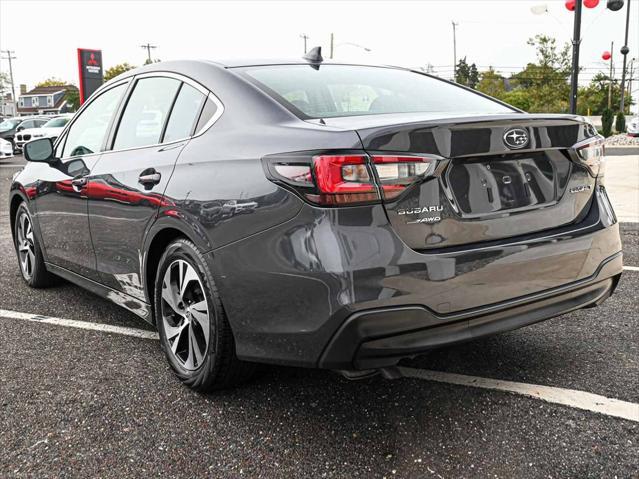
(184, 114)
(347, 90)
(208, 112)
(146, 112)
(88, 131)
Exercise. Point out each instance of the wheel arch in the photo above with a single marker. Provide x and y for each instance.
(163, 232)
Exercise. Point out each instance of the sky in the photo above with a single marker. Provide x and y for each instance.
(46, 34)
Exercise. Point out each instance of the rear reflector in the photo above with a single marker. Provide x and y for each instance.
(396, 173)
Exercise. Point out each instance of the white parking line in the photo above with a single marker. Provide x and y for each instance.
(567, 397)
(631, 268)
(71, 323)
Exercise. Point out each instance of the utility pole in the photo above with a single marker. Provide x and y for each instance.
(305, 37)
(612, 54)
(624, 52)
(148, 48)
(332, 44)
(576, 41)
(455, 25)
(10, 56)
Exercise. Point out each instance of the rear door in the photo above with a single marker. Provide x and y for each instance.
(488, 178)
(126, 187)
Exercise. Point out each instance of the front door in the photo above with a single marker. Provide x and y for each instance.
(61, 200)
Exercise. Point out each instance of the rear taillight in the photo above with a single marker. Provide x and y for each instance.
(343, 179)
(347, 179)
(591, 153)
(396, 173)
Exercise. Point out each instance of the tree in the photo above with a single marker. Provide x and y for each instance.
(519, 98)
(492, 83)
(606, 122)
(546, 81)
(466, 74)
(73, 99)
(116, 70)
(593, 99)
(148, 61)
(51, 81)
(620, 123)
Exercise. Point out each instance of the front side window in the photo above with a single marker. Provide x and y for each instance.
(184, 114)
(348, 90)
(89, 130)
(146, 112)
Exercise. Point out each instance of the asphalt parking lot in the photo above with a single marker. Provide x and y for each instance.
(77, 402)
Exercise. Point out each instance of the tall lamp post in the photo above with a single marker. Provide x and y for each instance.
(576, 40)
(624, 52)
(575, 5)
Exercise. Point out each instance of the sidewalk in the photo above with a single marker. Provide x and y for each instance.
(622, 184)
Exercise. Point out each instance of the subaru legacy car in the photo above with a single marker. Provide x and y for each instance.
(316, 214)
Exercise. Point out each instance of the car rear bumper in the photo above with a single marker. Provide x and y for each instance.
(380, 338)
(291, 292)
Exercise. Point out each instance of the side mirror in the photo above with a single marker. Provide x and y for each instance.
(39, 150)
(20, 128)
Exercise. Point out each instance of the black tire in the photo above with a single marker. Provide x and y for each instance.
(219, 368)
(35, 274)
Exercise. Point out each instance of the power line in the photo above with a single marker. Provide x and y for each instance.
(148, 48)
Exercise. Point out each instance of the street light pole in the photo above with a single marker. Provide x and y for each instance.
(624, 52)
(10, 57)
(576, 40)
(612, 54)
(454, 50)
(305, 37)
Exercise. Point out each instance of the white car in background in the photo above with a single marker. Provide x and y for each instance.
(6, 149)
(50, 129)
(633, 126)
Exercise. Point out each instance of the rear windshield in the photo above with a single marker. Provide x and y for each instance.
(347, 90)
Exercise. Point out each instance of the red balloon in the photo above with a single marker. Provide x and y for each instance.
(591, 3)
(570, 5)
(606, 55)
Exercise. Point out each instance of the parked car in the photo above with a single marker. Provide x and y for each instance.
(633, 126)
(11, 126)
(316, 214)
(6, 149)
(51, 128)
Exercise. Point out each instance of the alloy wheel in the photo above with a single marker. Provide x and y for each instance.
(185, 314)
(26, 245)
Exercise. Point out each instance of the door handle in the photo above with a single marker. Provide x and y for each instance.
(149, 178)
(79, 183)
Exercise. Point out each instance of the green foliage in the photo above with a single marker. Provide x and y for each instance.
(518, 98)
(5, 83)
(51, 81)
(148, 61)
(606, 122)
(594, 97)
(542, 86)
(466, 74)
(73, 99)
(491, 83)
(116, 70)
(620, 122)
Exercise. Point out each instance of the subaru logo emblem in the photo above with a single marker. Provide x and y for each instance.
(516, 138)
